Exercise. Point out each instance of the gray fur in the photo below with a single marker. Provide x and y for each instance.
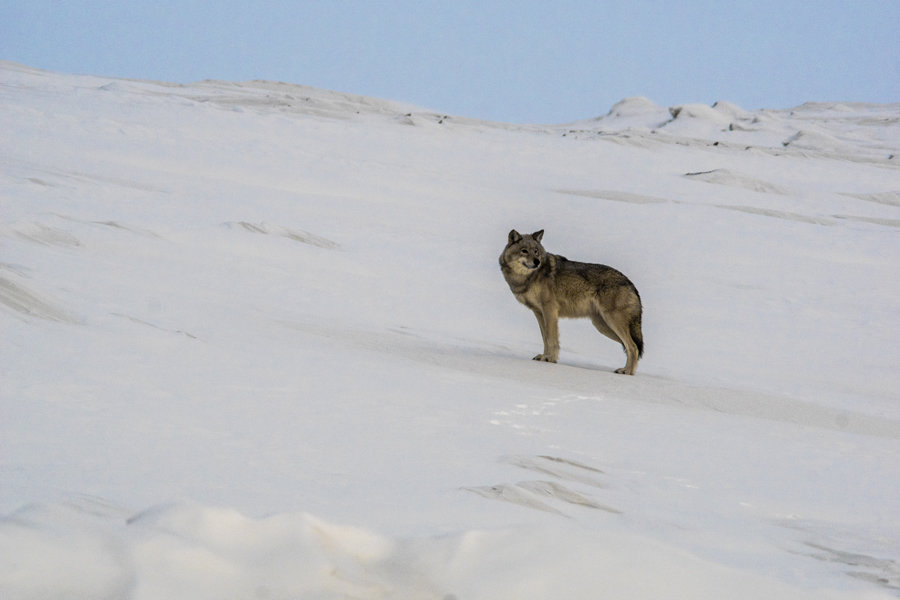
(553, 286)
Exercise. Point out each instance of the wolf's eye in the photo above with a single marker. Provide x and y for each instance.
(524, 251)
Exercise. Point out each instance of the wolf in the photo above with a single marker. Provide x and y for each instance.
(553, 286)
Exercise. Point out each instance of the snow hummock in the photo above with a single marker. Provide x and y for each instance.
(867, 132)
(255, 344)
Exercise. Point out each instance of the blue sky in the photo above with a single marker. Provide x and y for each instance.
(526, 61)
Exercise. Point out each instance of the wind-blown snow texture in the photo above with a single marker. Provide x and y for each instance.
(255, 344)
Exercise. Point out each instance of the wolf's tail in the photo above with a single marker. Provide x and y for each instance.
(637, 336)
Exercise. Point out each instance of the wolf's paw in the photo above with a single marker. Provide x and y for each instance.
(622, 371)
(544, 358)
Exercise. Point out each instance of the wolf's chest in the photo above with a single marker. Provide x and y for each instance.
(532, 296)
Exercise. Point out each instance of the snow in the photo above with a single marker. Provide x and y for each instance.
(255, 344)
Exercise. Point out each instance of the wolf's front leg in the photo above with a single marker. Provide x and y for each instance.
(549, 323)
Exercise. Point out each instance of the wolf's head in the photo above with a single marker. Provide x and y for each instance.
(523, 253)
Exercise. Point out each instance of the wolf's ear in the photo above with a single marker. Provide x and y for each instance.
(514, 236)
(537, 235)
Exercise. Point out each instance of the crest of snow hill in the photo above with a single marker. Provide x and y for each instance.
(847, 130)
(853, 131)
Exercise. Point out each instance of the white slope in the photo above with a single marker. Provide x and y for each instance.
(256, 344)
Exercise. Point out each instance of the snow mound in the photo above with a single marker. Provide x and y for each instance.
(700, 112)
(813, 140)
(634, 107)
(731, 110)
(195, 552)
(637, 113)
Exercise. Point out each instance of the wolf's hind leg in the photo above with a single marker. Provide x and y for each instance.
(603, 328)
(616, 324)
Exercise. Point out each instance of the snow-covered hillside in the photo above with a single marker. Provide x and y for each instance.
(255, 343)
